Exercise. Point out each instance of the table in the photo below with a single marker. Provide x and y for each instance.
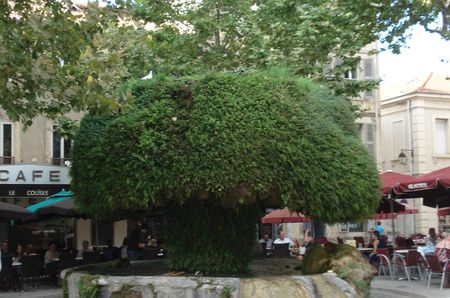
(401, 254)
(16, 264)
(364, 249)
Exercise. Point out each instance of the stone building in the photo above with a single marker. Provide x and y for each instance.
(415, 135)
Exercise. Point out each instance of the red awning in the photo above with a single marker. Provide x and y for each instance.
(444, 211)
(417, 185)
(284, 215)
(390, 179)
(408, 209)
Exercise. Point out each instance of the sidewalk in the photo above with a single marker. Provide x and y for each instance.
(39, 293)
(383, 287)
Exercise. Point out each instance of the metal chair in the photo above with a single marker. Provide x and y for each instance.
(281, 251)
(435, 267)
(413, 259)
(30, 268)
(67, 260)
(385, 262)
(91, 257)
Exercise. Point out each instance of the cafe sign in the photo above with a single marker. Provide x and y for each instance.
(34, 174)
(32, 181)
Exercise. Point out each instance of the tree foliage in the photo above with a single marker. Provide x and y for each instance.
(55, 58)
(241, 138)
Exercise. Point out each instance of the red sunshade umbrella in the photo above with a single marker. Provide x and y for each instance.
(433, 187)
(284, 215)
(383, 212)
(390, 179)
(444, 211)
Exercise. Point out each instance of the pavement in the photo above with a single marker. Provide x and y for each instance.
(383, 287)
(35, 293)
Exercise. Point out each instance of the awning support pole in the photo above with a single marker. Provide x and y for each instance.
(391, 202)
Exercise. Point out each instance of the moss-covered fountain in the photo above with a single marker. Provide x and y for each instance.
(210, 153)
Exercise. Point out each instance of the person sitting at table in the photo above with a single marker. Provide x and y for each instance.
(377, 243)
(443, 249)
(124, 248)
(282, 239)
(267, 240)
(51, 260)
(17, 272)
(85, 248)
(5, 248)
(109, 252)
(29, 250)
(18, 253)
(432, 238)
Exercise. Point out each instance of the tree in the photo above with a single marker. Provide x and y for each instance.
(224, 144)
(55, 58)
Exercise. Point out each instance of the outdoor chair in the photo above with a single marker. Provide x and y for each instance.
(281, 251)
(67, 260)
(413, 259)
(6, 274)
(400, 242)
(385, 262)
(340, 240)
(150, 254)
(91, 257)
(31, 269)
(359, 241)
(435, 267)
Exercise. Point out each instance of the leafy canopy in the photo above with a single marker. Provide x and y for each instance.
(237, 138)
(57, 57)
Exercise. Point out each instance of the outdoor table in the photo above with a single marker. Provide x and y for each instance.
(16, 264)
(401, 254)
(79, 258)
(364, 249)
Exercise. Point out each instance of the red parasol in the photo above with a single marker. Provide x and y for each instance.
(284, 215)
(444, 211)
(433, 187)
(407, 209)
(390, 179)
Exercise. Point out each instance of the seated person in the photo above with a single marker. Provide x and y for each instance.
(124, 249)
(443, 249)
(377, 243)
(29, 250)
(5, 248)
(51, 260)
(86, 247)
(282, 239)
(267, 240)
(109, 251)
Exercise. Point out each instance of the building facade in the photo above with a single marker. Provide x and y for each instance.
(416, 135)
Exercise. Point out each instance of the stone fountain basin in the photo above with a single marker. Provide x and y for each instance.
(161, 286)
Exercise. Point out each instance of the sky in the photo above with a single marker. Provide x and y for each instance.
(425, 53)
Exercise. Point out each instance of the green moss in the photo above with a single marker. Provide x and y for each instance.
(88, 286)
(316, 260)
(363, 287)
(226, 292)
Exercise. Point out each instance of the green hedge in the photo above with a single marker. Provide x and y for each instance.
(239, 137)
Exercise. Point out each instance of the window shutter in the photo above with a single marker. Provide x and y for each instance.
(368, 68)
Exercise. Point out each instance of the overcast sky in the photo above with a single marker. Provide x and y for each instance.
(426, 52)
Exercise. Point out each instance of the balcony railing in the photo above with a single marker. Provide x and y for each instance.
(6, 160)
(59, 161)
